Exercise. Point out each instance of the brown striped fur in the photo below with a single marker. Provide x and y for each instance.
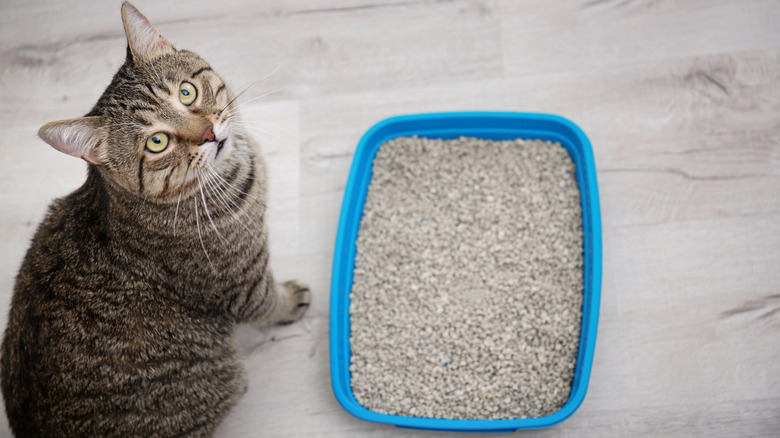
(124, 307)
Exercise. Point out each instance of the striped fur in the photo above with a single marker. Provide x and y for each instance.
(124, 307)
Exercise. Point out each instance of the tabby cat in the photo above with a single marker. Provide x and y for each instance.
(123, 311)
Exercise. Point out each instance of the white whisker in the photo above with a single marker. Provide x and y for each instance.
(227, 183)
(208, 214)
(222, 198)
(233, 98)
(181, 190)
(276, 69)
(218, 178)
(266, 77)
(197, 224)
(256, 97)
(260, 119)
(257, 131)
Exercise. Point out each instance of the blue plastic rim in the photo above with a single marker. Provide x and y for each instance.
(485, 125)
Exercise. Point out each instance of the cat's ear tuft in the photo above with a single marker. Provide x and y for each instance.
(82, 137)
(144, 41)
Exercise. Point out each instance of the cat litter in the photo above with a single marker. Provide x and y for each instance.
(471, 294)
(467, 293)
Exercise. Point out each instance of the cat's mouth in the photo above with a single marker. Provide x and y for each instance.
(220, 145)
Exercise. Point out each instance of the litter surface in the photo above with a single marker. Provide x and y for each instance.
(468, 285)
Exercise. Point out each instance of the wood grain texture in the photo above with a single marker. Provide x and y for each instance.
(681, 101)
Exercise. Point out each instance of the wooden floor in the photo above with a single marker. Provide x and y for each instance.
(681, 101)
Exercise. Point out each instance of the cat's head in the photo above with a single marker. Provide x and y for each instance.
(164, 117)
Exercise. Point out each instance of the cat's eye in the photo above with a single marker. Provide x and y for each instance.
(157, 142)
(187, 93)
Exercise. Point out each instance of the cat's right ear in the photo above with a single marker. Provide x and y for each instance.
(82, 137)
(143, 40)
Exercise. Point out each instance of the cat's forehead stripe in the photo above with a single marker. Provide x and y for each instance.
(204, 69)
(220, 89)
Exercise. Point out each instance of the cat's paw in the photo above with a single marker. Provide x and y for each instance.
(298, 298)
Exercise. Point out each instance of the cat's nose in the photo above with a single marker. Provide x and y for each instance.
(208, 134)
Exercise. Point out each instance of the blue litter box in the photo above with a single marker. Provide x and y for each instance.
(485, 125)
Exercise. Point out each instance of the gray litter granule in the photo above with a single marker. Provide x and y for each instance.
(467, 294)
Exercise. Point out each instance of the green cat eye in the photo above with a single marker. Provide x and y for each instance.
(187, 93)
(157, 142)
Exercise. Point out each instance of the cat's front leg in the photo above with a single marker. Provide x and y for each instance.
(268, 302)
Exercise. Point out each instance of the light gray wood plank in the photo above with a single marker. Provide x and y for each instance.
(580, 35)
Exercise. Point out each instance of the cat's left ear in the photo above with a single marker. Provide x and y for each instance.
(144, 41)
(82, 137)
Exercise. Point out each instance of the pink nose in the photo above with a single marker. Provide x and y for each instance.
(208, 135)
